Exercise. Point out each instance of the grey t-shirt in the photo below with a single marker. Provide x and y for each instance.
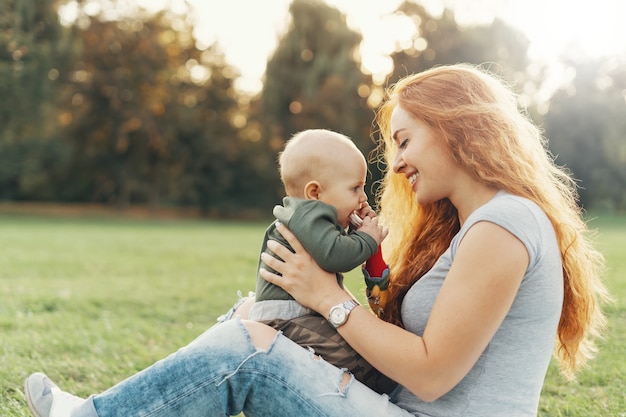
(508, 377)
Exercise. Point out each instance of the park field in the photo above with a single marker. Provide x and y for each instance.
(91, 301)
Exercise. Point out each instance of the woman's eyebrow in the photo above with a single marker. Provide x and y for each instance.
(394, 136)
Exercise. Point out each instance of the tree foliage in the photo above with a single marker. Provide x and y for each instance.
(313, 79)
(33, 49)
(149, 114)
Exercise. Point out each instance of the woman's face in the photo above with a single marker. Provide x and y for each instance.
(421, 158)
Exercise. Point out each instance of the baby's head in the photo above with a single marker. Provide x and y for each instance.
(327, 166)
(318, 155)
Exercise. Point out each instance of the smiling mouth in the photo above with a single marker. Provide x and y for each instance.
(413, 178)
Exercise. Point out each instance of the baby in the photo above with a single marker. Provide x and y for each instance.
(324, 174)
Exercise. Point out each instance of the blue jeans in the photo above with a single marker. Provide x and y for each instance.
(221, 373)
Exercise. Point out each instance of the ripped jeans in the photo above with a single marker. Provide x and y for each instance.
(221, 373)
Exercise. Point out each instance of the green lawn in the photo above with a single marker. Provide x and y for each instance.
(91, 301)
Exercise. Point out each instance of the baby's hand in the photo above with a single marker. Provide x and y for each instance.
(365, 211)
(371, 227)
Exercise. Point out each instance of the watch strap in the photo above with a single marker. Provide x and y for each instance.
(349, 304)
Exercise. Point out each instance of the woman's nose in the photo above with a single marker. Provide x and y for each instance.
(398, 163)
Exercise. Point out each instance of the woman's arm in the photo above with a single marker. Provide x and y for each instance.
(474, 299)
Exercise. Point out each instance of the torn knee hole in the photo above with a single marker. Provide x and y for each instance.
(346, 378)
(261, 335)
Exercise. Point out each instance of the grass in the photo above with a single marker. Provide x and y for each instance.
(92, 301)
(599, 388)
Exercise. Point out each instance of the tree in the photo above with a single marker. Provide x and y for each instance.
(115, 107)
(33, 50)
(148, 113)
(314, 80)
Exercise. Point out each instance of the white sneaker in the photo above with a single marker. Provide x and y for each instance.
(45, 399)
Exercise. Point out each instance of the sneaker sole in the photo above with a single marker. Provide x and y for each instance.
(28, 401)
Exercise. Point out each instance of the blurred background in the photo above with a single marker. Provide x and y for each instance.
(174, 104)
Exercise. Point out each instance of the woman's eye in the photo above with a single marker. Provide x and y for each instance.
(403, 144)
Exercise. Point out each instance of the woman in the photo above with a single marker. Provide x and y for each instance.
(490, 263)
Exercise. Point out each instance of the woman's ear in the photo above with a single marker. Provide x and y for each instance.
(312, 190)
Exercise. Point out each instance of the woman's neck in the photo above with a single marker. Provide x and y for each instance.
(470, 197)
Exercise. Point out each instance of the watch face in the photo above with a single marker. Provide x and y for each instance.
(337, 315)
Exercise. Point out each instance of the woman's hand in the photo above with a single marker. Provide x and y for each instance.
(300, 275)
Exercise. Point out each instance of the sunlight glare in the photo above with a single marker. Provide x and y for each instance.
(562, 27)
(68, 13)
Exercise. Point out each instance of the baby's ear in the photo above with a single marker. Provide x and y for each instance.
(312, 190)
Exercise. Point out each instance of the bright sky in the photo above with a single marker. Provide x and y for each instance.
(248, 30)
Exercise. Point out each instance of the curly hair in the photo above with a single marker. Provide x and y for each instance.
(476, 115)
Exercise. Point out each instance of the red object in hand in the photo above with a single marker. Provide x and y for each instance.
(375, 265)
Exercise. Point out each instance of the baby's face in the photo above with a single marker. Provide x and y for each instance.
(344, 187)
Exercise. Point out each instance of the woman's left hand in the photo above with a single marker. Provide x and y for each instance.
(300, 275)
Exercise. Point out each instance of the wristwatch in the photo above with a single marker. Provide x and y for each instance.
(339, 314)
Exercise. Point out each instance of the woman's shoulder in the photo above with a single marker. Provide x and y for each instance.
(509, 208)
(518, 215)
